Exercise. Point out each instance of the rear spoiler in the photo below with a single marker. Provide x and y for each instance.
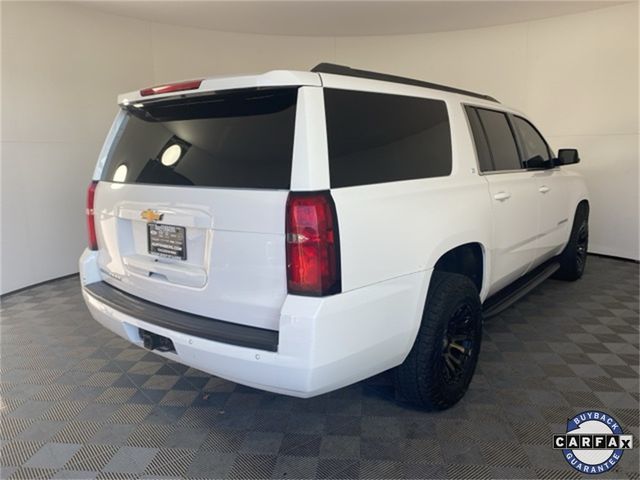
(275, 78)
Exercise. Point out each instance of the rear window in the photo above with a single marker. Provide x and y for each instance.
(502, 143)
(242, 139)
(482, 147)
(376, 138)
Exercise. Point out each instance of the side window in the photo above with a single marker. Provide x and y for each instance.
(376, 138)
(502, 144)
(482, 147)
(532, 142)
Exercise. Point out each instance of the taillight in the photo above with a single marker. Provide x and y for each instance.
(91, 223)
(171, 87)
(313, 244)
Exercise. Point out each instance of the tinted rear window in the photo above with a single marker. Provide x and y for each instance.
(375, 138)
(237, 140)
(482, 148)
(502, 143)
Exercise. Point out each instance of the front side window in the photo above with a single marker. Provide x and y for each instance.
(532, 142)
(376, 138)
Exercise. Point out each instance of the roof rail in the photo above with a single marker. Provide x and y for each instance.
(353, 72)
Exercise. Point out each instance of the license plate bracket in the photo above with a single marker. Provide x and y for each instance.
(168, 241)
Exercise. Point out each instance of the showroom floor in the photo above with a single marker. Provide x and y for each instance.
(79, 402)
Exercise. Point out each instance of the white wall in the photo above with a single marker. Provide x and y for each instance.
(63, 65)
(576, 76)
(61, 69)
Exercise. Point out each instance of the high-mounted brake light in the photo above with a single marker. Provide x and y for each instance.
(171, 87)
(313, 244)
(91, 223)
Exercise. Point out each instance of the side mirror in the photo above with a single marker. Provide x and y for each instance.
(567, 156)
(538, 163)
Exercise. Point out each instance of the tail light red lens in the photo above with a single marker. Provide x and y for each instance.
(171, 87)
(91, 223)
(313, 244)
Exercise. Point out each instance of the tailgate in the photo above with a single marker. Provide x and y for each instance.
(191, 204)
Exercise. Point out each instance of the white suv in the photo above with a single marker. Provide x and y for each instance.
(300, 231)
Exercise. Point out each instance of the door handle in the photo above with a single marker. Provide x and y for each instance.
(544, 189)
(502, 196)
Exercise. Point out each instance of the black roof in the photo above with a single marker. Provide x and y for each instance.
(353, 72)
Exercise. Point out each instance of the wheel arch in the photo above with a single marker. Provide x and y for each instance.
(437, 262)
(582, 203)
(468, 259)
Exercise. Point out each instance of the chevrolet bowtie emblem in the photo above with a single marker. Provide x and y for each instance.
(151, 215)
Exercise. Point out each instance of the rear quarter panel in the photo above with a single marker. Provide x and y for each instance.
(399, 228)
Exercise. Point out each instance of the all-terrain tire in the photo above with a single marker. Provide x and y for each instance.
(426, 378)
(573, 258)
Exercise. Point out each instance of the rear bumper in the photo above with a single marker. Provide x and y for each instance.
(183, 322)
(323, 343)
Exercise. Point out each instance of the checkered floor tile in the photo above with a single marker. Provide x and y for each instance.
(77, 401)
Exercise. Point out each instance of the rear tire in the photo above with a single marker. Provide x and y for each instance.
(437, 372)
(573, 258)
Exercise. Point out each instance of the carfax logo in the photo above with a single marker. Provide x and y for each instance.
(594, 442)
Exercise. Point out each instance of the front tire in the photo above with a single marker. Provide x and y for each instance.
(437, 372)
(573, 259)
